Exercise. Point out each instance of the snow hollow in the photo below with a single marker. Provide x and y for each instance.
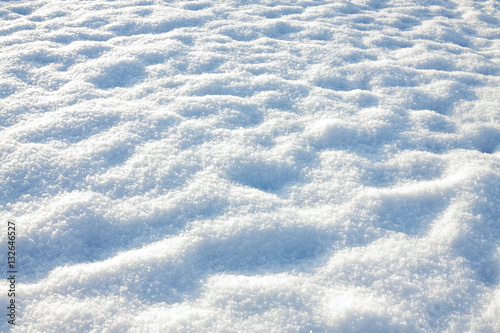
(251, 166)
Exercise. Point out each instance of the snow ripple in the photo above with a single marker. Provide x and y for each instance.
(263, 166)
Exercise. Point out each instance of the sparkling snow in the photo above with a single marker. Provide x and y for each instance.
(252, 166)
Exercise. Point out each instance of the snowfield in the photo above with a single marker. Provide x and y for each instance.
(251, 166)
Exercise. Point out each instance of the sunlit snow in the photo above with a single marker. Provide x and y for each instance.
(251, 166)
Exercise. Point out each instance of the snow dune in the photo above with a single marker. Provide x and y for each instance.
(252, 166)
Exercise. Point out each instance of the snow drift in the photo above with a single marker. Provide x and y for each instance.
(252, 166)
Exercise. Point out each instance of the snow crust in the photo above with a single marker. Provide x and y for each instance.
(252, 166)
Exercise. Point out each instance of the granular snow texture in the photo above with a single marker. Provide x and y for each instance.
(251, 166)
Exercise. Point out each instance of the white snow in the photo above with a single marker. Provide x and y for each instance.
(252, 166)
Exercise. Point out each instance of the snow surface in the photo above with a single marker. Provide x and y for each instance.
(252, 166)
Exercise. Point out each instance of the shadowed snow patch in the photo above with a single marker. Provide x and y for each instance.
(124, 73)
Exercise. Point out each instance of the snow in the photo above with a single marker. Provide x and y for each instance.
(252, 166)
